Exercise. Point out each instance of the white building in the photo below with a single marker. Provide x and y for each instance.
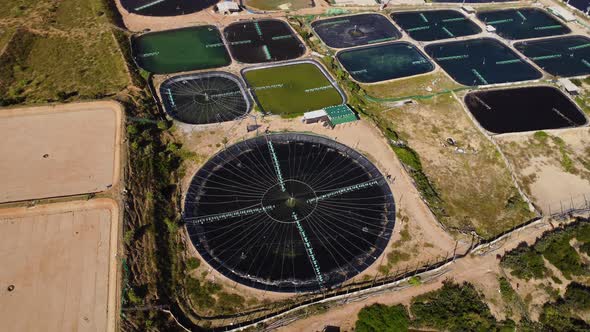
(227, 7)
(568, 86)
(562, 13)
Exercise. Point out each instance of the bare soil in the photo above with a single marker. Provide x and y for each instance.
(61, 260)
(61, 150)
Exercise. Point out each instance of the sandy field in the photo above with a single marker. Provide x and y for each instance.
(60, 150)
(539, 167)
(60, 262)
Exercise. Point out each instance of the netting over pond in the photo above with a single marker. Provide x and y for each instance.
(289, 212)
(205, 98)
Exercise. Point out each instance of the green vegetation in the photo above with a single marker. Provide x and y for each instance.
(192, 263)
(556, 248)
(541, 136)
(526, 262)
(564, 314)
(210, 297)
(460, 307)
(382, 318)
(511, 299)
(292, 90)
(454, 307)
(5, 36)
(65, 51)
(17, 8)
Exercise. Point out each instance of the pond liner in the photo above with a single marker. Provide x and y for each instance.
(261, 41)
(205, 98)
(307, 234)
(165, 7)
(523, 109)
(355, 30)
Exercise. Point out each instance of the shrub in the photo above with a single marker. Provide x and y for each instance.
(525, 262)
(454, 307)
(193, 263)
(382, 318)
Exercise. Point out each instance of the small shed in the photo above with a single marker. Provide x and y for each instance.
(562, 13)
(490, 28)
(340, 114)
(568, 86)
(468, 9)
(227, 7)
(315, 116)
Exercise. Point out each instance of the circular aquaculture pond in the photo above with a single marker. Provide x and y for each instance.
(289, 212)
(204, 98)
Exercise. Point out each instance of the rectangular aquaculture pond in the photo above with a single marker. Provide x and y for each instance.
(384, 62)
(523, 23)
(292, 89)
(481, 62)
(562, 56)
(523, 109)
(178, 50)
(262, 41)
(165, 7)
(349, 31)
(581, 5)
(428, 25)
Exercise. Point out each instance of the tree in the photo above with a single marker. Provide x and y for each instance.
(382, 318)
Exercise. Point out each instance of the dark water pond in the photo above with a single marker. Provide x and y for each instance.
(349, 31)
(166, 7)
(289, 212)
(523, 109)
(582, 5)
(481, 62)
(262, 41)
(563, 56)
(429, 25)
(384, 62)
(523, 23)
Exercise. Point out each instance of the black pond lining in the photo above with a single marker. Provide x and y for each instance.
(205, 98)
(263, 41)
(304, 241)
(523, 109)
